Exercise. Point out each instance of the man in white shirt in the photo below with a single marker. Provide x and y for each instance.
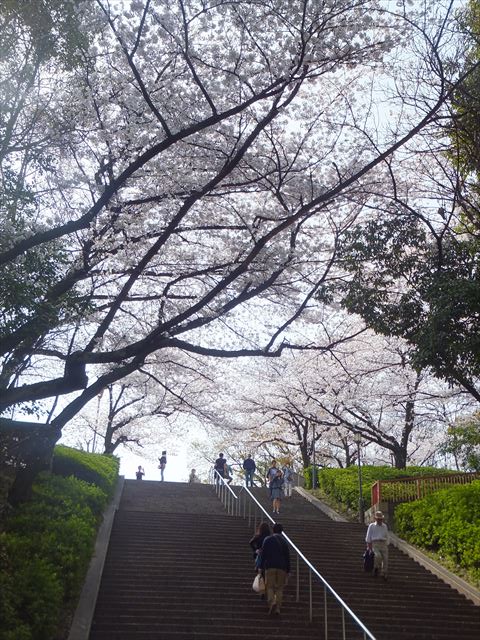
(377, 540)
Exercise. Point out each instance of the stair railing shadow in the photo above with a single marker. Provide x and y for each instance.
(247, 506)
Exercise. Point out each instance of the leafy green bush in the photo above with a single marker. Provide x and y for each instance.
(46, 548)
(95, 468)
(34, 597)
(447, 522)
(342, 484)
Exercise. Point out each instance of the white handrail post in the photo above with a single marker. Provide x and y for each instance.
(310, 594)
(298, 578)
(343, 624)
(326, 612)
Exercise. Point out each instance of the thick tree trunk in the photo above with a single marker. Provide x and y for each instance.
(400, 457)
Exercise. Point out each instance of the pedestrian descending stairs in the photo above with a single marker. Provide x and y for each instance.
(178, 567)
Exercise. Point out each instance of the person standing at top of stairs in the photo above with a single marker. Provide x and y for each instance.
(219, 467)
(162, 465)
(193, 478)
(249, 467)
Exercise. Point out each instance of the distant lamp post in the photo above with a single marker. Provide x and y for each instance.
(358, 441)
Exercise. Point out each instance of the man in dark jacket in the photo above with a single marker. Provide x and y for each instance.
(219, 467)
(249, 467)
(276, 564)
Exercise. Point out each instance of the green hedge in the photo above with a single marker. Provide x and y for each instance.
(446, 522)
(95, 468)
(342, 484)
(46, 548)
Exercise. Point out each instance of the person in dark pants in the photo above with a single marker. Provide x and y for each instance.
(275, 561)
(227, 474)
(163, 464)
(249, 467)
(219, 467)
(140, 472)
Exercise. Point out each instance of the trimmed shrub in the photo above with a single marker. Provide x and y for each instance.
(447, 522)
(46, 548)
(95, 468)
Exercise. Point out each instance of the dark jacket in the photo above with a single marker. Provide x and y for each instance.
(220, 466)
(256, 543)
(275, 553)
(249, 464)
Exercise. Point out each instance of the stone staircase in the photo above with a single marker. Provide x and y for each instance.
(179, 568)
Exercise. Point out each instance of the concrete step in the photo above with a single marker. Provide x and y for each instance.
(178, 567)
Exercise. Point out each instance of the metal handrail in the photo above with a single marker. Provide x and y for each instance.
(221, 489)
(299, 555)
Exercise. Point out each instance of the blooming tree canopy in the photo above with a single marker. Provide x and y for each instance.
(188, 169)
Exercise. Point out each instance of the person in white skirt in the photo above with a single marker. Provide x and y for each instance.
(377, 541)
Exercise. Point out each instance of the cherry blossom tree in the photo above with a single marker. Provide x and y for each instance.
(387, 402)
(198, 169)
(365, 387)
(143, 409)
(412, 270)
